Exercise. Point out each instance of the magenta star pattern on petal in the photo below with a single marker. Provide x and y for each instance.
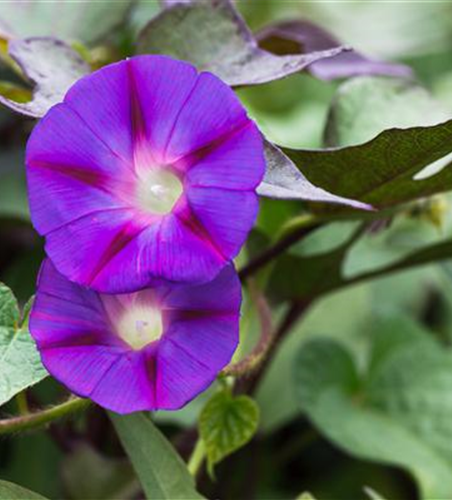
(147, 170)
(153, 349)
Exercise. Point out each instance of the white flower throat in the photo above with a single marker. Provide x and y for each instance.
(158, 190)
(140, 325)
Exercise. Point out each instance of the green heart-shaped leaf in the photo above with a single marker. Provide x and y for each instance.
(20, 363)
(396, 411)
(226, 424)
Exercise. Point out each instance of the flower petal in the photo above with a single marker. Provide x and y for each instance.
(212, 111)
(69, 171)
(65, 312)
(80, 368)
(237, 163)
(190, 356)
(186, 252)
(222, 295)
(202, 336)
(126, 388)
(117, 251)
(71, 333)
(102, 100)
(88, 164)
(176, 248)
(85, 248)
(162, 87)
(226, 215)
(80, 347)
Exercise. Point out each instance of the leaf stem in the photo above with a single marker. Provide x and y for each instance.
(303, 228)
(22, 403)
(252, 361)
(42, 417)
(197, 458)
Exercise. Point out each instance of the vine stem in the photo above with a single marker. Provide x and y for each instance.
(257, 355)
(42, 417)
(248, 383)
(253, 365)
(197, 458)
(304, 226)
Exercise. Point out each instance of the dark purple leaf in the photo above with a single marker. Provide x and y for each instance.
(168, 3)
(305, 37)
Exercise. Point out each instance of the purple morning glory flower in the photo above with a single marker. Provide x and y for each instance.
(148, 169)
(152, 349)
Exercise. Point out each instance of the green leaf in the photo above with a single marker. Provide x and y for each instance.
(305, 496)
(11, 491)
(142, 12)
(325, 239)
(187, 416)
(9, 308)
(284, 181)
(27, 311)
(296, 276)
(396, 166)
(364, 107)
(66, 20)
(281, 109)
(396, 412)
(231, 53)
(330, 315)
(13, 186)
(88, 474)
(20, 363)
(385, 171)
(22, 466)
(15, 92)
(226, 424)
(161, 471)
(51, 65)
(372, 494)
(378, 249)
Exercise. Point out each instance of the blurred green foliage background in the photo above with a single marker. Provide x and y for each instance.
(290, 455)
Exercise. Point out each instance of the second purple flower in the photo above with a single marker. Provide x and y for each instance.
(147, 170)
(149, 350)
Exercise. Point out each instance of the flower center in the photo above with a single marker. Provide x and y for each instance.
(158, 190)
(140, 325)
